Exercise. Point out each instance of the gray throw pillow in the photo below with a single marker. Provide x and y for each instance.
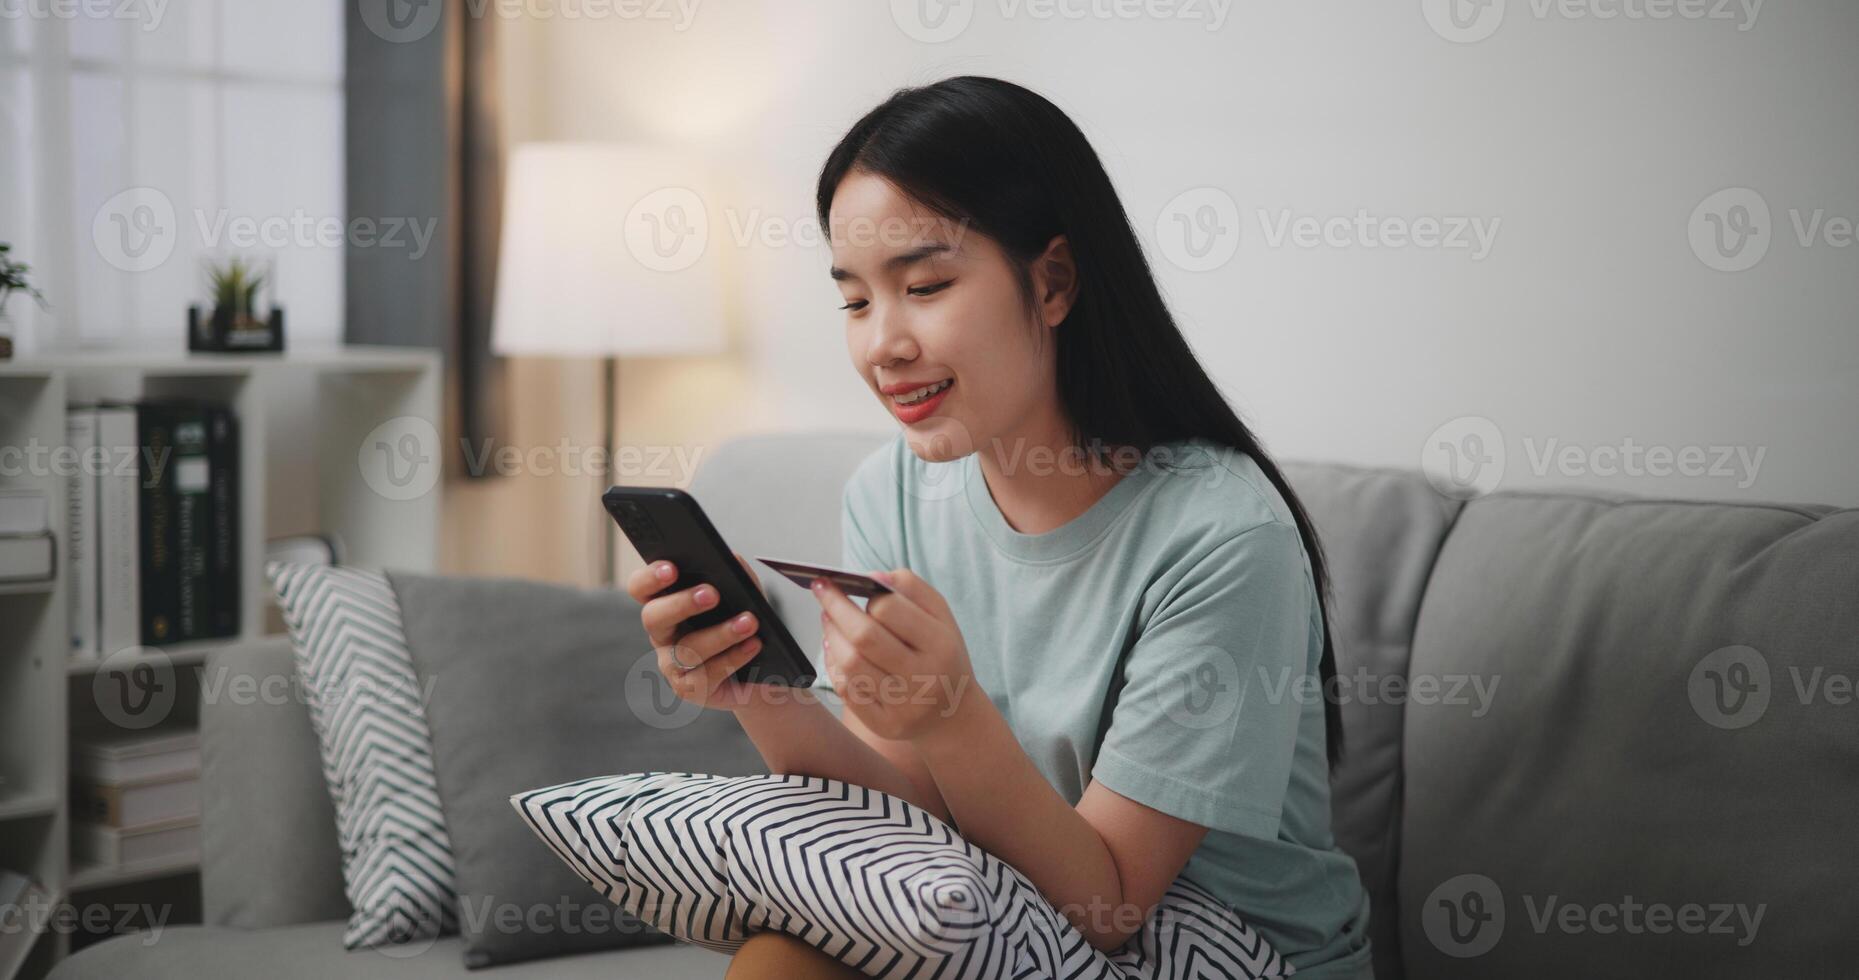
(528, 684)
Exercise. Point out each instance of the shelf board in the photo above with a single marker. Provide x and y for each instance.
(90, 878)
(177, 654)
(16, 805)
(168, 361)
(28, 588)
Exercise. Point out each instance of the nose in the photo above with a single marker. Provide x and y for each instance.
(890, 340)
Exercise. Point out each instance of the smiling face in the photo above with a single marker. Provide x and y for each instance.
(931, 302)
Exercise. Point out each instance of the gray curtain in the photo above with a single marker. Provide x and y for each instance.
(425, 144)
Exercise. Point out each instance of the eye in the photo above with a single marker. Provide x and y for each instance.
(854, 305)
(932, 288)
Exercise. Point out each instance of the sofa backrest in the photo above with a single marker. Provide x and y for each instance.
(269, 853)
(1663, 778)
(779, 495)
(1381, 531)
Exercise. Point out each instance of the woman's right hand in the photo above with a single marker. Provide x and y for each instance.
(717, 651)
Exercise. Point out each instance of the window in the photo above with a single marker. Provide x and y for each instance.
(138, 138)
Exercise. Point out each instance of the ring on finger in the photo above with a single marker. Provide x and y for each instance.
(681, 664)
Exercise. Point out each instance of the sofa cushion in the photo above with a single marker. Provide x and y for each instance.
(268, 850)
(352, 655)
(1674, 683)
(314, 952)
(1381, 531)
(868, 878)
(527, 683)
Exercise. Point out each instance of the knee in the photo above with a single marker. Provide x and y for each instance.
(772, 954)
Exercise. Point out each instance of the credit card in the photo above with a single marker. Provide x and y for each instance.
(803, 573)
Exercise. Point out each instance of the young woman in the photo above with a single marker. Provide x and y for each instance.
(1108, 603)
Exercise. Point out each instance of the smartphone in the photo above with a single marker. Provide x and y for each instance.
(666, 524)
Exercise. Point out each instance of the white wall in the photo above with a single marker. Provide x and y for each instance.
(1586, 141)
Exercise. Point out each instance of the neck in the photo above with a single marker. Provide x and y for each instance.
(1039, 480)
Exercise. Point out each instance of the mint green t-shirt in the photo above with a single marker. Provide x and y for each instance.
(1158, 643)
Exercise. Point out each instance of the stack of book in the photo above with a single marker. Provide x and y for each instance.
(26, 550)
(153, 537)
(135, 798)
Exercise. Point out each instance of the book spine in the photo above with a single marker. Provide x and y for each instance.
(81, 533)
(225, 590)
(101, 804)
(160, 595)
(190, 485)
(118, 532)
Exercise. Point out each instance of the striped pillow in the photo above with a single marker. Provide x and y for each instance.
(870, 879)
(377, 752)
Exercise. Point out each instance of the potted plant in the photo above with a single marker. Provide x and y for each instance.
(14, 278)
(235, 323)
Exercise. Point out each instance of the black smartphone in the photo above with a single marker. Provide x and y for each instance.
(665, 523)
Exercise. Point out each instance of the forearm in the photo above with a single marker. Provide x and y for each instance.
(1005, 805)
(798, 735)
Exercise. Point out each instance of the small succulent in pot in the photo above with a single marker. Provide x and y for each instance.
(235, 322)
(235, 292)
(15, 277)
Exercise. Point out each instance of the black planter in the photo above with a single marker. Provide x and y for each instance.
(224, 333)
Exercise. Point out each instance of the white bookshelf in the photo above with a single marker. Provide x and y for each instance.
(302, 418)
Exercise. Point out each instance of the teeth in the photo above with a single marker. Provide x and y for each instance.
(912, 397)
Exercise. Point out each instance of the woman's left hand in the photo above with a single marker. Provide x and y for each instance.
(899, 664)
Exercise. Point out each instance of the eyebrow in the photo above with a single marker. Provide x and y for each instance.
(899, 260)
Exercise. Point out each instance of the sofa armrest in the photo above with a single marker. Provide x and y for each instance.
(269, 851)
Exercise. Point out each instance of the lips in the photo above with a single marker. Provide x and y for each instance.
(924, 407)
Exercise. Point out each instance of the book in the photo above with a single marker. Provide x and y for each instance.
(159, 544)
(114, 756)
(27, 557)
(23, 510)
(81, 531)
(119, 586)
(116, 847)
(189, 485)
(224, 590)
(136, 803)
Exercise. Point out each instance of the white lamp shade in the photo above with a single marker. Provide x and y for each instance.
(606, 251)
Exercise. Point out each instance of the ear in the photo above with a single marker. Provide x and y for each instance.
(1055, 281)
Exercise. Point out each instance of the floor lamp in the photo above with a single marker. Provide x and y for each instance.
(605, 253)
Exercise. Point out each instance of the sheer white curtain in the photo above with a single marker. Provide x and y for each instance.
(138, 137)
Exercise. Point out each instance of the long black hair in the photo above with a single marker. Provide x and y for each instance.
(1001, 159)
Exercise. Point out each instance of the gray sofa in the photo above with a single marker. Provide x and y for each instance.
(1586, 735)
